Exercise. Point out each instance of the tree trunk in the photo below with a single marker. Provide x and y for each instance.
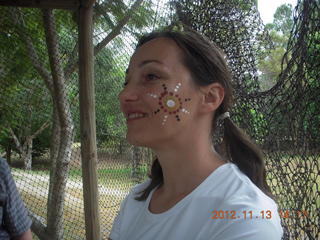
(8, 153)
(27, 154)
(63, 114)
(54, 151)
(24, 149)
(136, 157)
(59, 174)
(121, 148)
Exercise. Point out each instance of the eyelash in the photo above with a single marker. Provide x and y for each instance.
(148, 75)
(153, 75)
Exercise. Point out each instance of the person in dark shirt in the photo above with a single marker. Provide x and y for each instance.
(14, 220)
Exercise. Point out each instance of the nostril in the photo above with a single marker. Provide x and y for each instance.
(130, 97)
(128, 94)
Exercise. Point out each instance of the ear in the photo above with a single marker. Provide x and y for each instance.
(213, 96)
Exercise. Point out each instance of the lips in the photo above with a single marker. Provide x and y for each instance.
(133, 119)
(134, 111)
(129, 112)
(135, 115)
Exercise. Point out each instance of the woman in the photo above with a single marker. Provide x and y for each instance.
(177, 89)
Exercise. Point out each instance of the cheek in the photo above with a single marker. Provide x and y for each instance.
(170, 103)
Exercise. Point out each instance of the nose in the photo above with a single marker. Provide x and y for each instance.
(128, 94)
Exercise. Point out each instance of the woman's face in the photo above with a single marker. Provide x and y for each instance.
(159, 96)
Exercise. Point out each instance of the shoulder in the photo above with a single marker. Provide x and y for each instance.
(129, 209)
(229, 182)
(5, 173)
(246, 209)
(249, 228)
(239, 192)
(4, 167)
(15, 215)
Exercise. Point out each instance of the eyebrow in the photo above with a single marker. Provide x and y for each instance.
(150, 61)
(146, 62)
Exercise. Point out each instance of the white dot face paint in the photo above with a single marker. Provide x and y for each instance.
(176, 89)
(185, 111)
(164, 119)
(170, 103)
(152, 95)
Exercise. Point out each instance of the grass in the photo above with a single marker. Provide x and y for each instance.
(33, 171)
(115, 177)
(74, 220)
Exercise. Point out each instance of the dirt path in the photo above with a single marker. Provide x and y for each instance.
(39, 184)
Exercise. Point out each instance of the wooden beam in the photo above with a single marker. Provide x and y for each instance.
(88, 124)
(87, 3)
(60, 4)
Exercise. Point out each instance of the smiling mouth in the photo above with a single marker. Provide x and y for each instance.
(133, 119)
(136, 116)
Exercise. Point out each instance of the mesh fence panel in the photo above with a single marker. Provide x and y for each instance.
(120, 165)
(40, 129)
(41, 120)
(40, 109)
(285, 119)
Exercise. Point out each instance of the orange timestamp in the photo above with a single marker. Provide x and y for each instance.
(263, 214)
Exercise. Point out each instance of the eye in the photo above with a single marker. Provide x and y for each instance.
(151, 77)
(125, 83)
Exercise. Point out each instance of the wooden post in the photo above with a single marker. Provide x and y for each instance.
(88, 122)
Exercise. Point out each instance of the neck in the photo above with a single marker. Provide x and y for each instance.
(187, 165)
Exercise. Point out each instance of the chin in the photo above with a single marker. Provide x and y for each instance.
(141, 142)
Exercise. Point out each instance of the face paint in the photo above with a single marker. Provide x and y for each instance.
(170, 103)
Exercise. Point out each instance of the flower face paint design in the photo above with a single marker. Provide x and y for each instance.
(170, 103)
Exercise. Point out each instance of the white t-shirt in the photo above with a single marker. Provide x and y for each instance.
(202, 214)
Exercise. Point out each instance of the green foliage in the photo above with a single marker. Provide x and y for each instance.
(270, 64)
(25, 104)
(28, 95)
(109, 78)
(312, 117)
(111, 64)
(283, 19)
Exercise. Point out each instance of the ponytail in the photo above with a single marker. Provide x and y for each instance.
(156, 177)
(238, 147)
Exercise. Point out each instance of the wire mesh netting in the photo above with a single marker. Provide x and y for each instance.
(39, 121)
(40, 110)
(285, 119)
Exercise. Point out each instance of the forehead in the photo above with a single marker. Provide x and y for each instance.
(161, 49)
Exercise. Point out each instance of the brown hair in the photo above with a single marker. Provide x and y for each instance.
(207, 65)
